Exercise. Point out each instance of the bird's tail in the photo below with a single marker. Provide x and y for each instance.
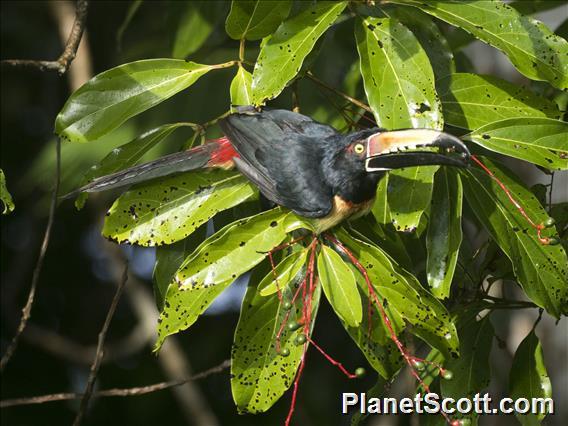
(217, 153)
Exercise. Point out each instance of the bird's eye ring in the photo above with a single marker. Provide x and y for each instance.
(359, 148)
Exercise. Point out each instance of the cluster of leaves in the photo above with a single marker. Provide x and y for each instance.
(412, 75)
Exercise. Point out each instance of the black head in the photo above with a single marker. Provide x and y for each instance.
(357, 161)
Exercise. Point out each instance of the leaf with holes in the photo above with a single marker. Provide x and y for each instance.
(183, 306)
(233, 250)
(397, 75)
(169, 209)
(339, 286)
(255, 19)
(528, 377)
(404, 296)
(112, 97)
(541, 141)
(282, 55)
(409, 194)
(371, 336)
(471, 372)
(168, 260)
(444, 231)
(472, 101)
(533, 49)
(5, 196)
(429, 35)
(540, 269)
(241, 91)
(284, 273)
(125, 156)
(259, 375)
(216, 263)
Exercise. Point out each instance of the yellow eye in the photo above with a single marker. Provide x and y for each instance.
(359, 148)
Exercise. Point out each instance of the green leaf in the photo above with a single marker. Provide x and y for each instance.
(372, 336)
(194, 27)
(5, 196)
(429, 35)
(528, 377)
(404, 297)
(409, 194)
(168, 260)
(233, 250)
(241, 92)
(380, 208)
(282, 55)
(125, 156)
(534, 6)
(216, 263)
(169, 209)
(444, 231)
(471, 101)
(285, 272)
(533, 49)
(259, 375)
(255, 19)
(398, 78)
(471, 371)
(339, 286)
(541, 141)
(386, 237)
(112, 97)
(182, 307)
(540, 269)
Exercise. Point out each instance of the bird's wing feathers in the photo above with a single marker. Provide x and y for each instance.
(277, 154)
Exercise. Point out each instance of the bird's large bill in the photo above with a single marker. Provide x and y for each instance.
(414, 147)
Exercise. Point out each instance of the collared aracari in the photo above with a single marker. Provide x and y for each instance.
(303, 165)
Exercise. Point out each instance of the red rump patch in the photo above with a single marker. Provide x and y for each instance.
(223, 155)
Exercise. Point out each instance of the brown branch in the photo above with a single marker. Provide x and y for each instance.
(69, 350)
(142, 390)
(26, 311)
(64, 61)
(339, 93)
(99, 355)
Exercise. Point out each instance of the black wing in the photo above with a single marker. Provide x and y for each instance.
(279, 152)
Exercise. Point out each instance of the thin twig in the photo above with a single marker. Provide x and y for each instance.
(142, 390)
(61, 65)
(100, 351)
(26, 312)
(339, 93)
(242, 50)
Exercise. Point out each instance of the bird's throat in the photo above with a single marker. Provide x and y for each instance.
(342, 210)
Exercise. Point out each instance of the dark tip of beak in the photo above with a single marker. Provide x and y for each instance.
(416, 147)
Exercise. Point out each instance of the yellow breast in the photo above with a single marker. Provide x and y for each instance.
(342, 210)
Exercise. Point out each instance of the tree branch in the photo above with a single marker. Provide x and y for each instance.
(26, 312)
(61, 65)
(142, 390)
(99, 355)
(339, 93)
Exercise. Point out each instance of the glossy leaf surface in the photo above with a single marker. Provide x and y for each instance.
(339, 286)
(541, 141)
(169, 209)
(112, 97)
(282, 55)
(444, 231)
(255, 19)
(540, 269)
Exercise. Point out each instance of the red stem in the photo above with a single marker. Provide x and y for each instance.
(539, 228)
(410, 359)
